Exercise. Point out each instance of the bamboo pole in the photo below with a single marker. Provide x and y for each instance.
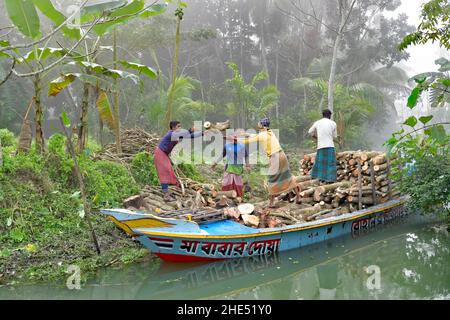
(358, 163)
(372, 183)
(388, 175)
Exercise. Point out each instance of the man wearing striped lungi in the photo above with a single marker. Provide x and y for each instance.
(325, 131)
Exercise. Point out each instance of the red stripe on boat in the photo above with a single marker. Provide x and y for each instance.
(183, 258)
(161, 239)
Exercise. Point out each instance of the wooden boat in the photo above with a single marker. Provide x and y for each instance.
(180, 240)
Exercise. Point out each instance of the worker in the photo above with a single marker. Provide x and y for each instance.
(324, 131)
(236, 155)
(163, 165)
(280, 179)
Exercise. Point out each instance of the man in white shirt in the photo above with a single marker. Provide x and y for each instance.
(325, 130)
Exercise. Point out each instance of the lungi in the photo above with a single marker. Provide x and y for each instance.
(164, 168)
(232, 181)
(280, 179)
(324, 167)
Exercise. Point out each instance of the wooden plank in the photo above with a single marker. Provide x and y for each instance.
(358, 162)
(372, 182)
(388, 175)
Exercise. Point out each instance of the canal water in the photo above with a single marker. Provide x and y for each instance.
(408, 260)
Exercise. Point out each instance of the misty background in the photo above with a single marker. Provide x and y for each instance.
(228, 45)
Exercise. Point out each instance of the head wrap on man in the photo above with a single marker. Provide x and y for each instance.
(265, 122)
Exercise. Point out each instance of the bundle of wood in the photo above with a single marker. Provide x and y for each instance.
(193, 195)
(363, 181)
(346, 164)
(133, 141)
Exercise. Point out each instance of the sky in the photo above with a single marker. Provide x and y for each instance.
(422, 56)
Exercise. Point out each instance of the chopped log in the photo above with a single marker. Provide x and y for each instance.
(133, 201)
(313, 217)
(380, 178)
(307, 200)
(283, 215)
(307, 193)
(246, 208)
(334, 213)
(309, 157)
(232, 212)
(344, 155)
(211, 202)
(231, 194)
(157, 204)
(329, 187)
(380, 159)
(369, 155)
(309, 183)
(273, 222)
(250, 220)
(304, 213)
(380, 167)
(362, 200)
(303, 178)
(223, 202)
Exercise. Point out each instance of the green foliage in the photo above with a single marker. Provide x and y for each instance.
(190, 171)
(249, 102)
(143, 169)
(41, 231)
(107, 183)
(427, 183)
(7, 138)
(59, 164)
(24, 16)
(433, 27)
(423, 165)
(437, 83)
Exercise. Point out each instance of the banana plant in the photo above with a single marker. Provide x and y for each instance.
(101, 18)
(122, 13)
(249, 102)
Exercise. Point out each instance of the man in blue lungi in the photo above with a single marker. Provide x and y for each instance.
(325, 131)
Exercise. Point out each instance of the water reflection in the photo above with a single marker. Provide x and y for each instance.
(413, 263)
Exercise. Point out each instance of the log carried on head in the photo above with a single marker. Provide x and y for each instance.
(221, 126)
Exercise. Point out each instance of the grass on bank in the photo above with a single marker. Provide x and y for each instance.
(42, 224)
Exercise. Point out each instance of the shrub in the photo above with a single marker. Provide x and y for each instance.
(143, 169)
(7, 138)
(107, 183)
(190, 172)
(59, 163)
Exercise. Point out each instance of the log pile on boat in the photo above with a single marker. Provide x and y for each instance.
(363, 181)
(193, 195)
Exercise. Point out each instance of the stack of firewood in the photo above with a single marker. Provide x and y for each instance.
(192, 195)
(133, 141)
(363, 181)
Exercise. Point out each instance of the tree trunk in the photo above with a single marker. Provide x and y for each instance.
(174, 75)
(116, 99)
(83, 131)
(333, 72)
(344, 17)
(40, 142)
(277, 107)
